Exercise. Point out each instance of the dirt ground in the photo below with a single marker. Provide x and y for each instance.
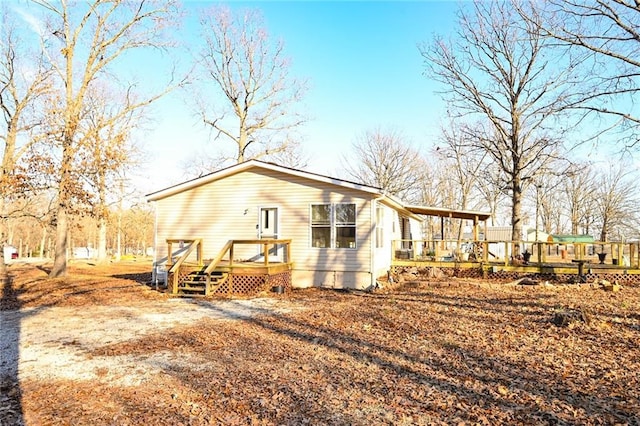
(100, 347)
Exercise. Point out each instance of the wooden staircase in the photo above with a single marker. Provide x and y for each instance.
(200, 284)
(221, 274)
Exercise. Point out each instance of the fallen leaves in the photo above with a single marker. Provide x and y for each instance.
(463, 354)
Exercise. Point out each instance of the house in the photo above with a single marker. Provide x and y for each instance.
(340, 232)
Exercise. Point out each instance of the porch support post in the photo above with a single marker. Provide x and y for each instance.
(506, 253)
(475, 228)
(486, 230)
(539, 247)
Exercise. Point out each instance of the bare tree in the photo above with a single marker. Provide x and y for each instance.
(616, 199)
(110, 119)
(609, 32)
(466, 161)
(499, 70)
(137, 228)
(87, 40)
(250, 71)
(492, 193)
(579, 188)
(549, 199)
(24, 80)
(386, 160)
(201, 162)
(429, 193)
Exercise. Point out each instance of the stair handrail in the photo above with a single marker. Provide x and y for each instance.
(185, 255)
(212, 265)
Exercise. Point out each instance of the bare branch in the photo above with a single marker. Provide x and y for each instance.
(607, 32)
(496, 71)
(249, 70)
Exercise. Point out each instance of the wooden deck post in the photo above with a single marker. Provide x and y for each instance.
(506, 253)
(265, 253)
(174, 282)
(476, 233)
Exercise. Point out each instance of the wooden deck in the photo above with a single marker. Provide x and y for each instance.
(225, 275)
(570, 263)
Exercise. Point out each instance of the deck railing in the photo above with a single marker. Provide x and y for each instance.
(228, 251)
(517, 252)
(227, 256)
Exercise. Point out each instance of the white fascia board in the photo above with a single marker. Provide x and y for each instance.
(220, 174)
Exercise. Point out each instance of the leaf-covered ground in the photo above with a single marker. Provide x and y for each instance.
(428, 353)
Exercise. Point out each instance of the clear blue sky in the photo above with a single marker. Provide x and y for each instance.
(364, 70)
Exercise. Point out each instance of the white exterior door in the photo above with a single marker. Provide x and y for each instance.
(268, 230)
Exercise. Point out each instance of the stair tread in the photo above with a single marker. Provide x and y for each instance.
(191, 287)
(201, 282)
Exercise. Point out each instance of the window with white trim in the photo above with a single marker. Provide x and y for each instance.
(333, 225)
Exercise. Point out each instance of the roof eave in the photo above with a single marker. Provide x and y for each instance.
(220, 174)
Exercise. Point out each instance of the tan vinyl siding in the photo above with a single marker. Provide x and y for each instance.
(228, 209)
(383, 254)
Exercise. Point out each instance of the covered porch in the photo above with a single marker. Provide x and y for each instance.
(558, 261)
(479, 254)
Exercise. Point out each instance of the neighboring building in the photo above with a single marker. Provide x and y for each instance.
(341, 232)
(84, 253)
(570, 238)
(10, 253)
(537, 235)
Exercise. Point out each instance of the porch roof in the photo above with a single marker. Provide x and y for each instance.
(442, 212)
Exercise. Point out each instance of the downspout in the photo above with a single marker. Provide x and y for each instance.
(374, 223)
(154, 271)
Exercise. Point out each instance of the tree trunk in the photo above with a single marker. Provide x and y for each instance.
(242, 143)
(62, 220)
(102, 241)
(6, 168)
(3, 240)
(604, 232)
(574, 224)
(516, 215)
(516, 212)
(60, 257)
(43, 241)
